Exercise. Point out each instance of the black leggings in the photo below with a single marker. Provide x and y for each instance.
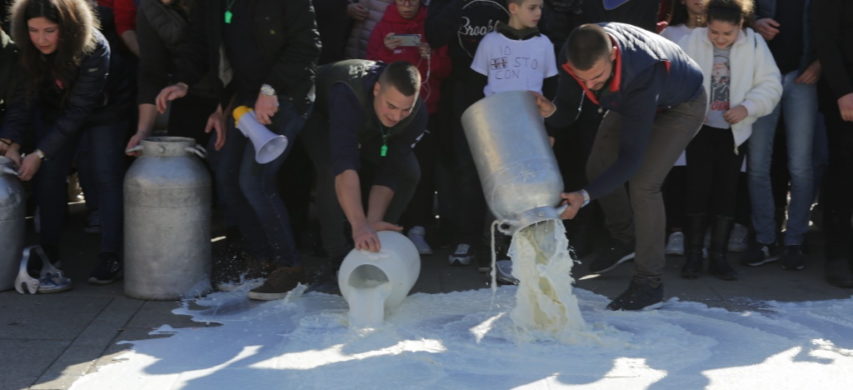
(712, 173)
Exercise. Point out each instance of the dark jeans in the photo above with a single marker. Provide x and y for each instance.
(103, 147)
(465, 201)
(712, 173)
(248, 191)
(333, 223)
(420, 210)
(837, 192)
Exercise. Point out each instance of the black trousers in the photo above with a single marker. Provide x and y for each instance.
(713, 165)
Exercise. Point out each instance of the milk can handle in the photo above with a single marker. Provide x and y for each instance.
(198, 150)
(134, 149)
(10, 171)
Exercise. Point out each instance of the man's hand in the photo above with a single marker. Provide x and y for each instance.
(30, 167)
(357, 11)
(845, 106)
(365, 237)
(736, 114)
(767, 27)
(172, 92)
(574, 202)
(265, 108)
(13, 152)
(216, 121)
(811, 75)
(546, 107)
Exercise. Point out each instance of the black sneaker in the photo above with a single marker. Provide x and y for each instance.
(758, 254)
(610, 258)
(503, 273)
(462, 255)
(108, 269)
(278, 284)
(793, 259)
(638, 296)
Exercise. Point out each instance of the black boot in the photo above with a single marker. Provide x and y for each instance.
(694, 237)
(719, 265)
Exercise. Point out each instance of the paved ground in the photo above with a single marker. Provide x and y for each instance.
(48, 341)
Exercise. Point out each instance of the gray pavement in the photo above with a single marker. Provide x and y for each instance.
(49, 341)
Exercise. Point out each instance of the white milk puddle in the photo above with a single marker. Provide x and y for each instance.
(458, 341)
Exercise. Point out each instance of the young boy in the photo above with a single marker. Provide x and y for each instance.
(516, 57)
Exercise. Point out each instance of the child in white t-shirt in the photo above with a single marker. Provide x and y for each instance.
(516, 57)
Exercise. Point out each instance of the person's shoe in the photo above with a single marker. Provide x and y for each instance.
(793, 258)
(638, 296)
(53, 282)
(738, 238)
(93, 222)
(839, 273)
(759, 254)
(462, 255)
(108, 269)
(692, 264)
(278, 284)
(504, 272)
(417, 234)
(610, 258)
(675, 244)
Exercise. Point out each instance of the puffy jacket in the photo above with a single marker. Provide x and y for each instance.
(433, 70)
(86, 101)
(755, 80)
(360, 34)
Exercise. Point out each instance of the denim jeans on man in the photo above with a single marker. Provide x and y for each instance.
(799, 105)
(248, 191)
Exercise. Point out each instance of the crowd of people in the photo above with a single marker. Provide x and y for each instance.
(663, 116)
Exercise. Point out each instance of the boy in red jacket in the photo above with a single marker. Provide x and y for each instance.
(393, 39)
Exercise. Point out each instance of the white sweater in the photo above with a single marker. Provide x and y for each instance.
(755, 79)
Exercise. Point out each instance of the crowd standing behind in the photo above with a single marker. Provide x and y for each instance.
(376, 108)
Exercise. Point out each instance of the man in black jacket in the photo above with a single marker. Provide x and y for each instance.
(265, 54)
(834, 42)
(656, 103)
(366, 120)
(8, 72)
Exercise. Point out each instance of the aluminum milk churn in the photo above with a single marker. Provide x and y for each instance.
(167, 199)
(12, 214)
(519, 174)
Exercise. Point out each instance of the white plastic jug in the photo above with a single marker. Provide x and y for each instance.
(374, 284)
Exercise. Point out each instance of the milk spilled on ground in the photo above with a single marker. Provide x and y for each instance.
(544, 303)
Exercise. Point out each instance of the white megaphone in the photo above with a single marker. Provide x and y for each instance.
(268, 145)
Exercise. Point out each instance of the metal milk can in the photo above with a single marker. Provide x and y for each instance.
(167, 199)
(12, 214)
(518, 172)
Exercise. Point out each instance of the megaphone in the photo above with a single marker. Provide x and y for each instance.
(268, 145)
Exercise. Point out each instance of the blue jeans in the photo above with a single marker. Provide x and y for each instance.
(248, 191)
(799, 102)
(102, 149)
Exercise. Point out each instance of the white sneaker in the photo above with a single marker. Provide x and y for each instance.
(675, 244)
(461, 255)
(737, 238)
(417, 234)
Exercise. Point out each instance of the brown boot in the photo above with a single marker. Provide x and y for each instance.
(278, 284)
